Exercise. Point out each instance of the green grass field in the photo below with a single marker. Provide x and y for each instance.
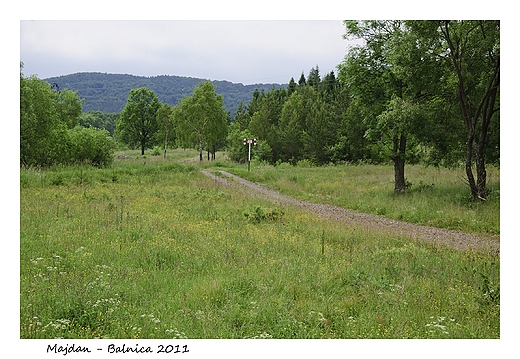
(437, 197)
(151, 248)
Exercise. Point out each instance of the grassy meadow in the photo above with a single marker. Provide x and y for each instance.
(152, 248)
(437, 197)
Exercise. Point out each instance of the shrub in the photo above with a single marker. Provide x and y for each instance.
(236, 150)
(260, 214)
(156, 151)
(305, 163)
(91, 145)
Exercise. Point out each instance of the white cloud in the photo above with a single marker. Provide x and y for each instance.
(238, 51)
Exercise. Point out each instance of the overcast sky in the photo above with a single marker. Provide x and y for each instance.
(239, 51)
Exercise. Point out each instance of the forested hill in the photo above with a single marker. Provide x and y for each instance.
(109, 92)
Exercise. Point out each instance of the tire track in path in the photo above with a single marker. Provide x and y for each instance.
(455, 239)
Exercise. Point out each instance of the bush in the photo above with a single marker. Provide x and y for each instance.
(91, 145)
(236, 150)
(260, 214)
(305, 163)
(156, 151)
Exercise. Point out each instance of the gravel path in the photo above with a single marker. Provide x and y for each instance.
(459, 240)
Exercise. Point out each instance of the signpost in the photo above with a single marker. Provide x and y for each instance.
(249, 142)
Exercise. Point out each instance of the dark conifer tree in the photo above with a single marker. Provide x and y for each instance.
(302, 81)
(314, 77)
(292, 86)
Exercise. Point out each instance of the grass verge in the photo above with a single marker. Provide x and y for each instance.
(436, 197)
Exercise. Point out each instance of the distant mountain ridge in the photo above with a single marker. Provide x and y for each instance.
(109, 92)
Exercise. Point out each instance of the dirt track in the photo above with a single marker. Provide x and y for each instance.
(459, 240)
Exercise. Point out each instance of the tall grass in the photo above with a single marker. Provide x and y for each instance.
(436, 197)
(161, 251)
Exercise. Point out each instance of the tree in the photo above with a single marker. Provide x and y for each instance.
(43, 137)
(292, 86)
(314, 77)
(474, 54)
(320, 127)
(166, 124)
(397, 122)
(138, 121)
(236, 151)
(242, 117)
(98, 119)
(48, 128)
(352, 144)
(264, 123)
(254, 104)
(329, 87)
(369, 74)
(430, 64)
(68, 107)
(302, 81)
(291, 131)
(417, 61)
(202, 118)
(459, 60)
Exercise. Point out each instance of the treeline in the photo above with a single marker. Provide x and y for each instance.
(197, 121)
(54, 129)
(108, 93)
(413, 91)
(308, 120)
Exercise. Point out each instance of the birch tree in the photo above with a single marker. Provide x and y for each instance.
(202, 119)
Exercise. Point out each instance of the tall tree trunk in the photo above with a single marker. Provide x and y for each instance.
(485, 110)
(474, 148)
(482, 190)
(200, 151)
(478, 188)
(165, 143)
(470, 145)
(398, 157)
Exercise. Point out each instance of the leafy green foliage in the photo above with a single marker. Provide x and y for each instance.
(98, 119)
(260, 214)
(264, 124)
(202, 119)
(394, 99)
(137, 125)
(91, 145)
(68, 107)
(235, 148)
(46, 119)
(166, 122)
